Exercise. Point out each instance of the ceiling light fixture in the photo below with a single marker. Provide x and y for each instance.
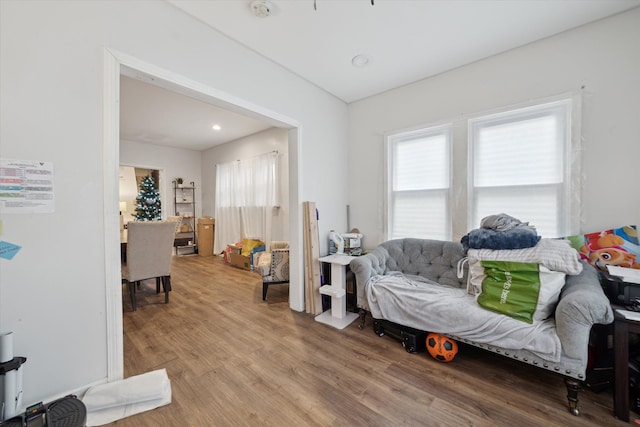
(261, 8)
(216, 127)
(360, 61)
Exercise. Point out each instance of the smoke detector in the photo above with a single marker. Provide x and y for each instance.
(261, 8)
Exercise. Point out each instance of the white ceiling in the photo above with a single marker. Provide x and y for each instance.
(406, 41)
(151, 114)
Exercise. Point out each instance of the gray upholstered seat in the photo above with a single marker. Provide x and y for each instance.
(149, 252)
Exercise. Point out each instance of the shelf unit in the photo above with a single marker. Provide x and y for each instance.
(184, 198)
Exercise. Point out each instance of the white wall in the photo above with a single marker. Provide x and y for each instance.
(274, 139)
(172, 162)
(52, 294)
(603, 57)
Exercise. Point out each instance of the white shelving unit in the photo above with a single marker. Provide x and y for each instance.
(337, 316)
(184, 198)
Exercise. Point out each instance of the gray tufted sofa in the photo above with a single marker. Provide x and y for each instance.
(582, 301)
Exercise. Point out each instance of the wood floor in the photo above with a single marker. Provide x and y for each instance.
(235, 360)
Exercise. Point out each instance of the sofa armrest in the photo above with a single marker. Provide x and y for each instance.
(582, 304)
(366, 266)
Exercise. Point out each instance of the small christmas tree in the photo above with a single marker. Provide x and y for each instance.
(148, 206)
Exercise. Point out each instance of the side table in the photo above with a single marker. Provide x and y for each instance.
(625, 322)
(337, 316)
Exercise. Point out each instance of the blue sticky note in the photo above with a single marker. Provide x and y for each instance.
(8, 250)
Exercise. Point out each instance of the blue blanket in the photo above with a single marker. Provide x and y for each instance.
(516, 238)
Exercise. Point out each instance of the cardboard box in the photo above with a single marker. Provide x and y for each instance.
(206, 229)
(206, 220)
(241, 261)
(237, 260)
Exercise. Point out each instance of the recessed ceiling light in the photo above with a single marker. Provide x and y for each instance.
(216, 127)
(360, 60)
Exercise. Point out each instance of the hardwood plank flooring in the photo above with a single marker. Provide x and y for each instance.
(235, 360)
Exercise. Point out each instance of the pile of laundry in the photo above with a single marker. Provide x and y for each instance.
(501, 231)
(512, 271)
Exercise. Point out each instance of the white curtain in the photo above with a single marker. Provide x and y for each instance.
(245, 198)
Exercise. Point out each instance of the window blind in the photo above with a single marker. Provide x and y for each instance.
(518, 165)
(419, 185)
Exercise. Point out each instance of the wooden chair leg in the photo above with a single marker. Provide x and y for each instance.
(265, 286)
(158, 285)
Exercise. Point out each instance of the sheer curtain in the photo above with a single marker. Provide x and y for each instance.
(245, 198)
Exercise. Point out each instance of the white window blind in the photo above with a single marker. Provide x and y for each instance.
(419, 182)
(519, 165)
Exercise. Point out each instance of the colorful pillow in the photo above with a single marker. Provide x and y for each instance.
(618, 246)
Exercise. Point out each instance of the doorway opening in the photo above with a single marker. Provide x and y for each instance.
(117, 64)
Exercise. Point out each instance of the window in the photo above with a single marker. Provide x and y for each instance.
(246, 193)
(419, 181)
(519, 164)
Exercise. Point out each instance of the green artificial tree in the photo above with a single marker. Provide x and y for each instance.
(148, 206)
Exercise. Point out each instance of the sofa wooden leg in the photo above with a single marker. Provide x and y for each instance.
(573, 387)
(363, 317)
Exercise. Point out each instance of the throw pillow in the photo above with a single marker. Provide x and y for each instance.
(618, 246)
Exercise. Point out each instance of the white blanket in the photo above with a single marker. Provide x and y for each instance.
(425, 305)
(554, 254)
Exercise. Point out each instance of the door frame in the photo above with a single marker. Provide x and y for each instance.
(117, 63)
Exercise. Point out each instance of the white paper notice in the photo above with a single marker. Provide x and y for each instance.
(26, 186)
(630, 275)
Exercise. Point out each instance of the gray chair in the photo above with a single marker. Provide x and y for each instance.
(149, 252)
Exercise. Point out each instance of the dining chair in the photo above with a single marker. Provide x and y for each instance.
(149, 253)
